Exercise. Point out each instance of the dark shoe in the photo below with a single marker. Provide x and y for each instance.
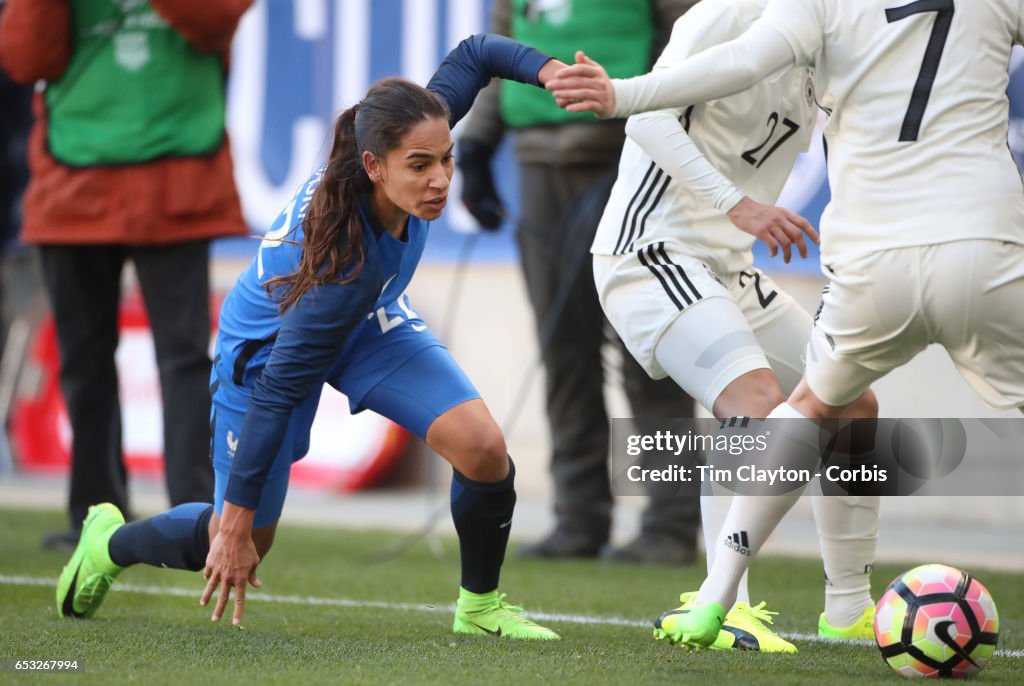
(61, 541)
(562, 543)
(647, 549)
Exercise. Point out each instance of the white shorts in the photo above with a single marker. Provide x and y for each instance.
(881, 309)
(735, 322)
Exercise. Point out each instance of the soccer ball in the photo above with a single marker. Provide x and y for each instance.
(936, 621)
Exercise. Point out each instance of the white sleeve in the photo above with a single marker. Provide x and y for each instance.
(1019, 36)
(715, 73)
(708, 24)
(661, 134)
(801, 23)
(663, 138)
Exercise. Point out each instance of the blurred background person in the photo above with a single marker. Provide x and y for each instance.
(129, 161)
(567, 165)
(20, 289)
(15, 123)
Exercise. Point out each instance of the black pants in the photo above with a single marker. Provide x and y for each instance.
(561, 205)
(84, 286)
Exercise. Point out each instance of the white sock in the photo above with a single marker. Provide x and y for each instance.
(847, 532)
(713, 509)
(751, 519)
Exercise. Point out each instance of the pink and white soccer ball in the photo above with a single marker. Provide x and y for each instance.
(936, 621)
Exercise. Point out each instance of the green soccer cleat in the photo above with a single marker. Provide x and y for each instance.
(861, 630)
(666, 624)
(693, 627)
(88, 576)
(489, 615)
(742, 629)
(746, 624)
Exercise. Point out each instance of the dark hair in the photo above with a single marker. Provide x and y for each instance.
(332, 242)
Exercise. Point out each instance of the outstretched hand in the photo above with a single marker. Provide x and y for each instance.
(584, 87)
(230, 564)
(776, 226)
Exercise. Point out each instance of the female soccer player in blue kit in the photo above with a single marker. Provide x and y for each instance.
(323, 302)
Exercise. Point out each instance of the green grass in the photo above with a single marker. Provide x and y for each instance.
(153, 638)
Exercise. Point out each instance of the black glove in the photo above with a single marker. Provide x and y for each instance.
(478, 192)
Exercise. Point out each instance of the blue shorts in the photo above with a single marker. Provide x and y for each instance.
(409, 377)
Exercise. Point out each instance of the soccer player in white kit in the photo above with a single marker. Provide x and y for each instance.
(676, 280)
(923, 241)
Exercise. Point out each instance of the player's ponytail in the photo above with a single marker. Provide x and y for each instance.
(333, 211)
(333, 231)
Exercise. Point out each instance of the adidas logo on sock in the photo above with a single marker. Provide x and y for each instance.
(739, 542)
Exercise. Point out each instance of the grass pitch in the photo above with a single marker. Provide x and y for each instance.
(328, 615)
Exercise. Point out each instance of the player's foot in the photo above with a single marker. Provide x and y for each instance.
(668, 620)
(863, 629)
(747, 625)
(692, 627)
(88, 576)
(489, 615)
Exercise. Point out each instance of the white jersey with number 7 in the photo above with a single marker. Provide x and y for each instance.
(917, 134)
(917, 137)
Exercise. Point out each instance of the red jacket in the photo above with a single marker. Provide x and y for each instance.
(165, 201)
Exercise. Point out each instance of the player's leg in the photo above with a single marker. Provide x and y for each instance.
(676, 317)
(642, 297)
(975, 289)
(847, 534)
(847, 524)
(781, 327)
(711, 350)
(750, 519)
(180, 537)
(847, 528)
(714, 346)
(754, 518)
(868, 323)
(737, 383)
(425, 391)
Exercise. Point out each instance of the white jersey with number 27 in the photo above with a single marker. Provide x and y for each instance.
(749, 139)
(917, 138)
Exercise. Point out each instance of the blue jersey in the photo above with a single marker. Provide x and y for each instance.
(250, 321)
(275, 362)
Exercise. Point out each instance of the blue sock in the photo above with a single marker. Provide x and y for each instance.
(482, 513)
(178, 538)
